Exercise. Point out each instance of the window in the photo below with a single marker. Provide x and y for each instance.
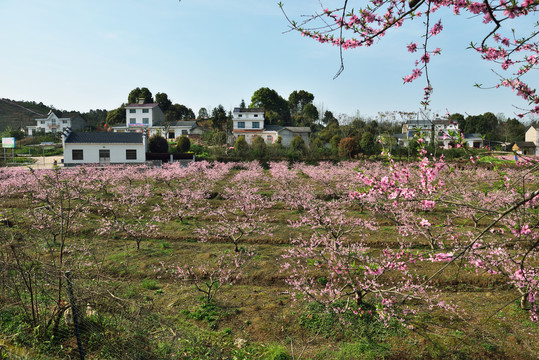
(53, 121)
(241, 124)
(240, 115)
(171, 134)
(256, 125)
(64, 121)
(132, 111)
(146, 121)
(256, 115)
(77, 154)
(145, 111)
(132, 120)
(131, 154)
(184, 132)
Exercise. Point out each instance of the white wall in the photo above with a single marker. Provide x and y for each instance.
(91, 153)
(154, 115)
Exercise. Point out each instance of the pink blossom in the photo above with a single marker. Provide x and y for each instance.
(412, 47)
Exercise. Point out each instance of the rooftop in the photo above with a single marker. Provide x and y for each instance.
(104, 138)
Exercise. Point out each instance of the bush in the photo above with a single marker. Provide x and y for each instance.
(183, 144)
(348, 147)
(158, 144)
(241, 145)
(219, 138)
(334, 142)
(297, 144)
(259, 147)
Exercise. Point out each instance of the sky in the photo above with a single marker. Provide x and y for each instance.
(81, 55)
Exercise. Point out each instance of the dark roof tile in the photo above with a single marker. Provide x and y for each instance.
(104, 138)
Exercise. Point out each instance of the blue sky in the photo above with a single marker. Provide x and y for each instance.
(81, 55)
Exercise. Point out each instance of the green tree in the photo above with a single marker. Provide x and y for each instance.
(158, 144)
(163, 101)
(241, 145)
(203, 113)
(334, 142)
(259, 147)
(116, 116)
(179, 112)
(310, 114)
(183, 144)
(15, 133)
(138, 93)
(368, 144)
(269, 100)
(95, 118)
(219, 138)
(297, 100)
(328, 117)
(297, 144)
(219, 118)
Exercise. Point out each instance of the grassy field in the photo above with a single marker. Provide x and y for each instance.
(134, 307)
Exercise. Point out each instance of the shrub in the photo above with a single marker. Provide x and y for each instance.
(297, 144)
(241, 145)
(219, 138)
(259, 147)
(158, 144)
(183, 144)
(348, 147)
(334, 142)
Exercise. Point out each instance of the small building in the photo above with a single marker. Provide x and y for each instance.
(250, 123)
(103, 148)
(522, 147)
(187, 128)
(55, 122)
(474, 140)
(532, 136)
(445, 131)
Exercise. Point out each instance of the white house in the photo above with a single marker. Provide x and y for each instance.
(141, 116)
(532, 135)
(178, 128)
(104, 148)
(55, 123)
(445, 131)
(250, 123)
(148, 118)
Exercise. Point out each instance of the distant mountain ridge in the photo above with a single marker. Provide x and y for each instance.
(19, 114)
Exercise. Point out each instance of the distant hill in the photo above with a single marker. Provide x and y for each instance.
(17, 114)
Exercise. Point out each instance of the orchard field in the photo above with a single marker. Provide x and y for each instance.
(350, 260)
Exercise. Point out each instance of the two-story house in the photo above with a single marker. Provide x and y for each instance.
(55, 122)
(141, 116)
(150, 119)
(250, 123)
(532, 137)
(443, 132)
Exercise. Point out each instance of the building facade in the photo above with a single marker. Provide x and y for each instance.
(55, 123)
(250, 123)
(104, 148)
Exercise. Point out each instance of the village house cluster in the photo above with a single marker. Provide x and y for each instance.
(127, 143)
